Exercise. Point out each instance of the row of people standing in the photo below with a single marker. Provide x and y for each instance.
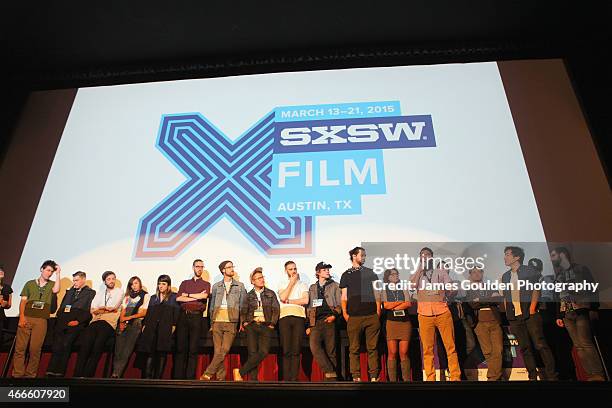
(147, 323)
(362, 306)
(479, 313)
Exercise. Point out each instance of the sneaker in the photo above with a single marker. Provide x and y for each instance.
(330, 377)
(236, 373)
(356, 379)
(374, 379)
(205, 377)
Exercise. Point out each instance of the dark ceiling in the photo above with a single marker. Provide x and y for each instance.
(71, 43)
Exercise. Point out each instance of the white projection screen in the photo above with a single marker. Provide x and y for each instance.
(142, 179)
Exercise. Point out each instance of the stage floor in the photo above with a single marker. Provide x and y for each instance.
(102, 391)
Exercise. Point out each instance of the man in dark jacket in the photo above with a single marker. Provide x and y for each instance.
(259, 320)
(72, 316)
(576, 310)
(523, 315)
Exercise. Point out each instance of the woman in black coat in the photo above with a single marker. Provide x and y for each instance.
(158, 327)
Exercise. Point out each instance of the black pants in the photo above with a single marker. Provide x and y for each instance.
(92, 345)
(291, 333)
(63, 339)
(258, 345)
(2, 324)
(155, 365)
(530, 334)
(325, 353)
(189, 328)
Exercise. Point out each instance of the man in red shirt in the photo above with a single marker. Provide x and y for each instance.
(192, 296)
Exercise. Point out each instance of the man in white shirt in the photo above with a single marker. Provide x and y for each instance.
(105, 313)
(293, 297)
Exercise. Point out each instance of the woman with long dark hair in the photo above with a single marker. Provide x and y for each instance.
(133, 310)
(158, 327)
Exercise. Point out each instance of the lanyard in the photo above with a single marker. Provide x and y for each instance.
(41, 290)
(321, 290)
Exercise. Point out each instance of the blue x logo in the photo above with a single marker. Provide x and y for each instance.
(224, 179)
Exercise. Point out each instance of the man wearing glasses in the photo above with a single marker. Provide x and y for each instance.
(192, 297)
(227, 300)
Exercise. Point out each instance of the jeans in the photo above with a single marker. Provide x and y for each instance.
(125, 342)
(291, 333)
(258, 345)
(322, 342)
(578, 325)
(528, 331)
(189, 328)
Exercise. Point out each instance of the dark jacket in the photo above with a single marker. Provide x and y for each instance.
(480, 299)
(80, 308)
(270, 305)
(157, 325)
(525, 273)
(575, 300)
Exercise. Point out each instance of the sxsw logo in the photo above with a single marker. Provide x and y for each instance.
(356, 133)
(291, 166)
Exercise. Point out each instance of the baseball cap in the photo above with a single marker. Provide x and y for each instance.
(322, 265)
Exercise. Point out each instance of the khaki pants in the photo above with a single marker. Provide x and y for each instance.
(371, 326)
(33, 333)
(490, 337)
(427, 332)
(223, 334)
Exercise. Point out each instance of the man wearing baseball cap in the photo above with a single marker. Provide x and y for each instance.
(324, 307)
